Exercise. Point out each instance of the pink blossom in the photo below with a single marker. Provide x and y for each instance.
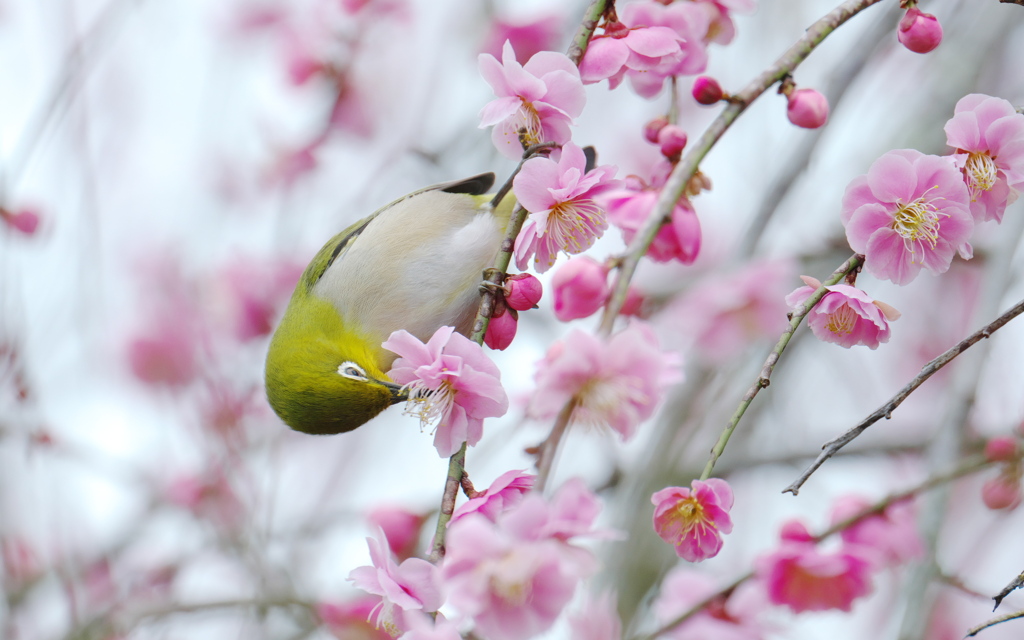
(527, 37)
(988, 135)
(597, 619)
(804, 579)
(919, 31)
(25, 221)
(413, 585)
(559, 194)
(736, 617)
(252, 293)
(629, 207)
(807, 108)
(1002, 492)
(724, 313)
(671, 141)
(523, 291)
(909, 211)
(645, 49)
(1001, 448)
(505, 492)
(617, 382)
(165, 356)
(542, 96)
(568, 514)
(891, 536)
(706, 90)
(581, 288)
(450, 379)
(209, 497)
(722, 30)
(422, 627)
(351, 619)
(690, 24)
(653, 127)
(845, 315)
(502, 328)
(693, 521)
(401, 527)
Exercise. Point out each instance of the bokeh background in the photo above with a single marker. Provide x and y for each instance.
(186, 159)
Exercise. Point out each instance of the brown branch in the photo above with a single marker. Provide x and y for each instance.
(1010, 616)
(830, 448)
(1016, 583)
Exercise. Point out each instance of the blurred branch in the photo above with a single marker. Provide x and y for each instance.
(885, 411)
(764, 379)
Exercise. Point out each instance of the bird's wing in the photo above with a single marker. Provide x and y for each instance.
(336, 246)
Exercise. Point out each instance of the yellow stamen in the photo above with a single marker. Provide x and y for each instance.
(981, 173)
(918, 221)
(842, 320)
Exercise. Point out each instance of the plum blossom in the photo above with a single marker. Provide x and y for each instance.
(522, 291)
(543, 97)
(597, 619)
(401, 527)
(527, 37)
(352, 618)
(413, 585)
(845, 315)
(693, 521)
(890, 536)
(629, 207)
(421, 627)
(638, 49)
(559, 194)
(909, 211)
(616, 382)
(721, 29)
(450, 379)
(988, 135)
(505, 492)
(24, 220)
(581, 288)
(803, 578)
(736, 617)
(515, 575)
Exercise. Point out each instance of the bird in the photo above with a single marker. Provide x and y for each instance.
(414, 264)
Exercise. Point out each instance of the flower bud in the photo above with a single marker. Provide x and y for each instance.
(706, 90)
(1001, 448)
(807, 108)
(1001, 492)
(25, 221)
(522, 291)
(581, 288)
(653, 128)
(634, 303)
(501, 329)
(918, 31)
(672, 140)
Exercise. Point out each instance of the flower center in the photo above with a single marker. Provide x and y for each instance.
(573, 224)
(529, 120)
(842, 320)
(429, 405)
(690, 513)
(918, 221)
(601, 398)
(981, 173)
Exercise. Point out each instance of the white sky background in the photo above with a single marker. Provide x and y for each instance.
(161, 155)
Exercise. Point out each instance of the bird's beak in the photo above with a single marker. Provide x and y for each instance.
(398, 392)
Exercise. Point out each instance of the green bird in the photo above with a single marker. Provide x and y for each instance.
(414, 264)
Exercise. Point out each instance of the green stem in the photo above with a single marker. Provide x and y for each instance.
(456, 467)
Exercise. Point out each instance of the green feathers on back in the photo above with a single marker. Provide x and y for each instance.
(413, 264)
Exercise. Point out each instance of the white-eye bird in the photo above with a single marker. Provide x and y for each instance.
(414, 264)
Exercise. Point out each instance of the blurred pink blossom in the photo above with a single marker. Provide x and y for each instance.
(803, 578)
(401, 527)
(919, 31)
(165, 356)
(597, 619)
(568, 514)
(988, 135)
(423, 627)
(209, 497)
(891, 536)
(351, 619)
(845, 315)
(24, 220)
(1001, 448)
(630, 206)
(909, 211)
(616, 382)
(560, 196)
(736, 617)
(527, 37)
(1002, 492)
(413, 585)
(580, 288)
(505, 492)
(543, 96)
(450, 379)
(722, 30)
(693, 521)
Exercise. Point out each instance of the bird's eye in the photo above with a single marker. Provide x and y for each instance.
(352, 370)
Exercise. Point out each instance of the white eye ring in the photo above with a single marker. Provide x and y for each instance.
(352, 371)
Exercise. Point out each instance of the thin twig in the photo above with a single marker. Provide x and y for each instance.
(1010, 616)
(764, 379)
(830, 448)
(548, 448)
(1016, 583)
(456, 467)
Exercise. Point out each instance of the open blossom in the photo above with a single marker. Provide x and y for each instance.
(909, 211)
(988, 135)
(514, 576)
(621, 48)
(400, 526)
(543, 97)
(803, 578)
(630, 206)
(693, 521)
(527, 37)
(891, 536)
(413, 585)
(845, 315)
(721, 29)
(505, 492)
(736, 617)
(598, 619)
(559, 194)
(617, 382)
(450, 379)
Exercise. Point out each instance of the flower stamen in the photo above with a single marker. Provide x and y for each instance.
(981, 173)
(918, 221)
(842, 321)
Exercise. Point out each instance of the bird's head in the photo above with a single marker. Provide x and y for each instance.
(323, 377)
